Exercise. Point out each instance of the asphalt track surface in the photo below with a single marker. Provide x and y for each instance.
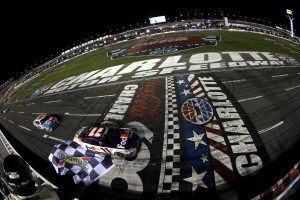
(267, 100)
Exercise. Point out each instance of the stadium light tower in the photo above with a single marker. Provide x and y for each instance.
(291, 18)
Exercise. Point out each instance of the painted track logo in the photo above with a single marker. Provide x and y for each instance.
(197, 111)
(163, 45)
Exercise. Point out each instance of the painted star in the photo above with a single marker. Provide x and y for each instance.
(186, 92)
(196, 179)
(180, 82)
(204, 158)
(198, 139)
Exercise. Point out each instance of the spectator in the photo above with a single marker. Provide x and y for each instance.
(18, 183)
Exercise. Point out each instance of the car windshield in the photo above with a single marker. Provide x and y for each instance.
(108, 136)
(43, 120)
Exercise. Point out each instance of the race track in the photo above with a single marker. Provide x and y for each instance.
(179, 153)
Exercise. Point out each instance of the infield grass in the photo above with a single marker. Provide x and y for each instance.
(230, 41)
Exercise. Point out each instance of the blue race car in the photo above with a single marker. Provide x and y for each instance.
(45, 122)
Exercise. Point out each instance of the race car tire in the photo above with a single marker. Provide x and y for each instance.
(121, 155)
(109, 124)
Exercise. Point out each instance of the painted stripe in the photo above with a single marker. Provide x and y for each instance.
(53, 101)
(298, 73)
(234, 81)
(223, 158)
(214, 131)
(288, 89)
(280, 75)
(270, 128)
(38, 113)
(54, 138)
(198, 89)
(249, 99)
(12, 111)
(24, 128)
(219, 146)
(83, 115)
(30, 104)
(223, 171)
(111, 95)
(11, 121)
(21, 112)
(19, 105)
(219, 181)
(164, 149)
(215, 137)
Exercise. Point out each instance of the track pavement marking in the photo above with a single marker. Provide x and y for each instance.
(19, 105)
(30, 104)
(298, 73)
(110, 95)
(11, 121)
(24, 128)
(53, 101)
(280, 75)
(248, 99)
(291, 88)
(270, 128)
(234, 81)
(83, 115)
(38, 113)
(12, 111)
(21, 112)
(53, 138)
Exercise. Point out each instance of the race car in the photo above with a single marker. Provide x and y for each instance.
(45, 122)
(108, 139)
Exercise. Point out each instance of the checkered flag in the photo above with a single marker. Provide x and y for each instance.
(84, 165)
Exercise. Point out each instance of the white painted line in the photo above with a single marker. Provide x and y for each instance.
(19, 105)
(248, 99)
(30, 104)
(12, 111)
(4, 118)
(38, 113)
(24, 128)
(234, 81)
(110, 95)
(53, 101)
(280, 75)
(83, 115)
(11, 121)
(270, 128)
(163, 161)
(21, 112)
(291, 88)
(53, 138)
(298, 73)
(36, 83)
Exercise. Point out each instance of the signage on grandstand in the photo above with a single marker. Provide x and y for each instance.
(156, 20)
(163, 45)
(165, 66)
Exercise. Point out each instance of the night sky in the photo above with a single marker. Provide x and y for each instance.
(32, 32)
